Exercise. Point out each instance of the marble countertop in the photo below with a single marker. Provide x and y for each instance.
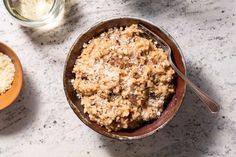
(41, 123)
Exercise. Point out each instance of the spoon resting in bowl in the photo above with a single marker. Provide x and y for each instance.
(207, 100)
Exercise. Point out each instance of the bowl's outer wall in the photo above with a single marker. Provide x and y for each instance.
(75, 103)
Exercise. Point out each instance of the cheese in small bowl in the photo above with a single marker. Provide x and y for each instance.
(7, 72)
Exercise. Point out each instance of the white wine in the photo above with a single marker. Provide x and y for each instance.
(35, 13)
(31, 9)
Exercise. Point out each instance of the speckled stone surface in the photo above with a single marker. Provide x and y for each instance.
(41, 123)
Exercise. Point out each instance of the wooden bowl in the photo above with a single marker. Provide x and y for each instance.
(75, 102)
(10, 95)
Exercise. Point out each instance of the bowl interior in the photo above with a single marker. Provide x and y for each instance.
(146, 129)
(9, 96)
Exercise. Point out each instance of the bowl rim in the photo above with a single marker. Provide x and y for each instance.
(109, 134)
(21, 75)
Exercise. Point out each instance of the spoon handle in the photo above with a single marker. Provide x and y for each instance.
(211, 104)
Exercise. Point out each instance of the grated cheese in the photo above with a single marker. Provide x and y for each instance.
(7, 71)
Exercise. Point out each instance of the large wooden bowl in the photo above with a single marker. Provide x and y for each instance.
(10, 95)
(75, 102)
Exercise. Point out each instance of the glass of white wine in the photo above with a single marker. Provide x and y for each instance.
(34, 13)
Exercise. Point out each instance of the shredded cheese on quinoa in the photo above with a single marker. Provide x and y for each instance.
(123, 79)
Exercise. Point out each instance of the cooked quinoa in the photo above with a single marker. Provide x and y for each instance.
(7, 72)
(122, 78)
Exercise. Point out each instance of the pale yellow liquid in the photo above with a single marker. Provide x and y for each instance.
(32, 9)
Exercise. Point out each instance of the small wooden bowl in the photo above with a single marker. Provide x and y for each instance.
(10, 95)
(148, 128)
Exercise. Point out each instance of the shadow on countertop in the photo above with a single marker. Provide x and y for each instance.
(191, 10)
(190, 133)
(153, 7)
(22, 113)
(59, 33)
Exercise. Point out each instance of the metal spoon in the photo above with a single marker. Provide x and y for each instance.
(211, 104)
